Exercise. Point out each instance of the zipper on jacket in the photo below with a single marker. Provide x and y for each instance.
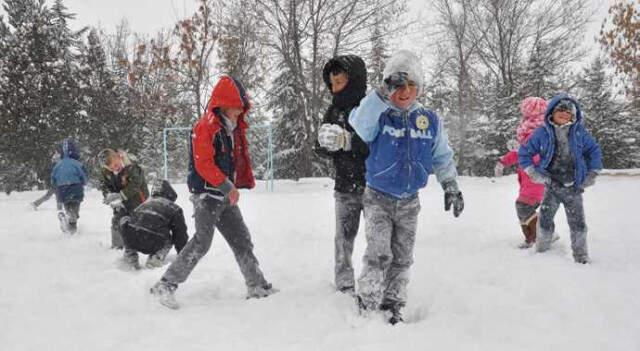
(408, 137)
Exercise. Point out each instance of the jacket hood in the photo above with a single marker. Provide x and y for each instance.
(228, 92)
(356, 87)
(533, 111)
(408, 62)
(555, 100)
(162, 188)
(67, 148)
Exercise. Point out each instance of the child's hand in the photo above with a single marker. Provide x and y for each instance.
(333, 138)
(536, 177)
(395, 81)
(234, 196)
(453, 196)
(114, 200)
(590, 180)
(498, 171)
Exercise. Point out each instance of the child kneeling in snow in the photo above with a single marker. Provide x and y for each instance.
(407, 143)
(570, 160)
(531, 193)
(124, 187)
(154, 226)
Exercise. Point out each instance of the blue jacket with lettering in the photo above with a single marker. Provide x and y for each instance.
(405, 146)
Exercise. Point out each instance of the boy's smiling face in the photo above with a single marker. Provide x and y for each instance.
(116, 164)
(561, 117)
(338, 82)
(404, 96)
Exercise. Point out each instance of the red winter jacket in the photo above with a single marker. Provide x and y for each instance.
(530, 193)
(228, 92)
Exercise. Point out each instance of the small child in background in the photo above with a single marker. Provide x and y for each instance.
(69, 177)
(154, 227)
(124, 187)
(570, 160)
(530, 195)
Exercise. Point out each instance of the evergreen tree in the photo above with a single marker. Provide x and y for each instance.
(106, 122)
(39, 93)
(616, 132)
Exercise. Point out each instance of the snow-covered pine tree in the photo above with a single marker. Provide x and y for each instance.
(379, 54)
(614, 130)
(39, 91)
(540, 78)
(106, 121)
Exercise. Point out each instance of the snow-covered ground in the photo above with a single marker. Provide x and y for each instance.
(471, 289)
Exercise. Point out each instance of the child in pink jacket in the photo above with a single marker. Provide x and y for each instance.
(531, 193)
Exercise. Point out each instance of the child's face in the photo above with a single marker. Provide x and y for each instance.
(338, 82)
(405, 96)
(561, 117)
(116, 165)
(233, 113)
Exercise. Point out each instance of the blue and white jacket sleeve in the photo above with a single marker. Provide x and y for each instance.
(364, 118)
(442, 156)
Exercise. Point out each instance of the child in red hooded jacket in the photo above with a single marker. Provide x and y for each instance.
(219, 165)
(530, 195)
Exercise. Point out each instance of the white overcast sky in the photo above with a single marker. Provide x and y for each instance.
(149, 16)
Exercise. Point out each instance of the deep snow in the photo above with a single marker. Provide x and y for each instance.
(471, 289)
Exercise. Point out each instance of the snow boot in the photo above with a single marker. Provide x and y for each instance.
(393, 308)
(529, 229)
(256, 292)
(64, 225)
(583, 259)
(165, 293)
(154, 262)
(73, 227)
(348, 290)
(365, 308)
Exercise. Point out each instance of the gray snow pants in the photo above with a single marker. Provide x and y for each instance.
(72, 210)
(571, 199)
(116, 235)
(390, 226)
(131, 255)
(211, 213)
(348, 209)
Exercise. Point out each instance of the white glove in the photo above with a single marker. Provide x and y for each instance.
(114, 200)
(333, 138)
(498, 171)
